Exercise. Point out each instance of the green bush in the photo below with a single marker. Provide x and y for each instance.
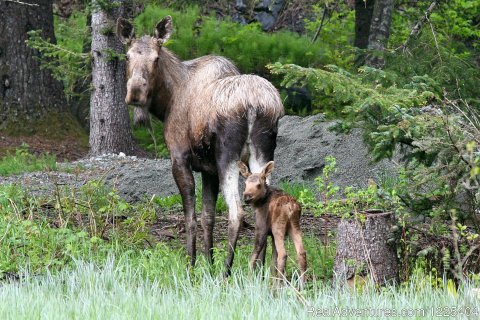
(51, 232)
(247, 46)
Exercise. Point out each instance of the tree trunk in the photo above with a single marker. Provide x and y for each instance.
(109, 121)
(362, 250)
(363, 20)
(379, 32)
(28, 93)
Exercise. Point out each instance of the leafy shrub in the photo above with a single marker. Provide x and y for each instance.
(249, 47)
(52, 232)
(359, 102)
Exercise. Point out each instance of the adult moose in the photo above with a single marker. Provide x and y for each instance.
(213, 117)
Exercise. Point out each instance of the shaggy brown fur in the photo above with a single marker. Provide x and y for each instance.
(213, 116)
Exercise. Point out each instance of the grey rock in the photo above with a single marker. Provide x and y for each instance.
(266, 19)
(143, 179)
(303, 144)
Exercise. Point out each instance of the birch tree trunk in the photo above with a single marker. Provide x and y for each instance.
(379, 32)
(109, 121)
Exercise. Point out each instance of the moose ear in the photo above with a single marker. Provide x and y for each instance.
(243, 169)
(163, 30)
(125, 31)
(267, 169)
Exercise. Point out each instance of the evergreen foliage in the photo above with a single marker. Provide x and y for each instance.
(65, 59)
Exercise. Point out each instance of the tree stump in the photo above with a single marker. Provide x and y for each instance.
(363, 251)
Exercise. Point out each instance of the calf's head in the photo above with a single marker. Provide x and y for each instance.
(142, 59)
(256, 183)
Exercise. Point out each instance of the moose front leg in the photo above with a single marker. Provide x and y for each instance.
(186, 184)
(209, 201)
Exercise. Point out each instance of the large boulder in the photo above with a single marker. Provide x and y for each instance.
(303, 144)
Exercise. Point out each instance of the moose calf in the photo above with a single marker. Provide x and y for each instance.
(276, 214)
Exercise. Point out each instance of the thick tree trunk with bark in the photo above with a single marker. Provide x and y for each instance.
(363, 251)
(379, 32)
(109, 122)
(27, 92)
(363, 20)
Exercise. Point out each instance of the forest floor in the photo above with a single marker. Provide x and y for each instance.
(68, 149)
(169, 227)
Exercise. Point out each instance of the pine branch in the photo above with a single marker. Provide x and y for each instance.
(418, 26)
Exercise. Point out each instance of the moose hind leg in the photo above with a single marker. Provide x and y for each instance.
(230, 191)
(209, 200)
(231, 138)
(263, 136)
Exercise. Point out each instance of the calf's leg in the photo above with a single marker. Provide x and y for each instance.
(296, 236)
(273, 268)
(279, 238)
(261, 233)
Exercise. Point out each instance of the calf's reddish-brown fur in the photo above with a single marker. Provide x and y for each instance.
(277, 214)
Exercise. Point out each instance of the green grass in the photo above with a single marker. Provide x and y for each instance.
(151, 139)
(116, 289)
(53, 270)
(24, 161)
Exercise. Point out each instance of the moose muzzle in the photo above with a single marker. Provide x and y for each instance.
(137, 91)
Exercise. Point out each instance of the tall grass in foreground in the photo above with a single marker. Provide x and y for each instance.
(116, 290)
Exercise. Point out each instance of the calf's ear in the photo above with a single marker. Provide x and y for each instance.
(125, 31)
(267, 169)
(243, 169)
(163, 30)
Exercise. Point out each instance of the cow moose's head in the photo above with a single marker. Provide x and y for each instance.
(143, 59)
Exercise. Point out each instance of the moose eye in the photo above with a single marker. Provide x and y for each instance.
(258, 186)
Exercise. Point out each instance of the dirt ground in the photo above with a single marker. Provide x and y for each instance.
(171, 227)
(68, 149)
